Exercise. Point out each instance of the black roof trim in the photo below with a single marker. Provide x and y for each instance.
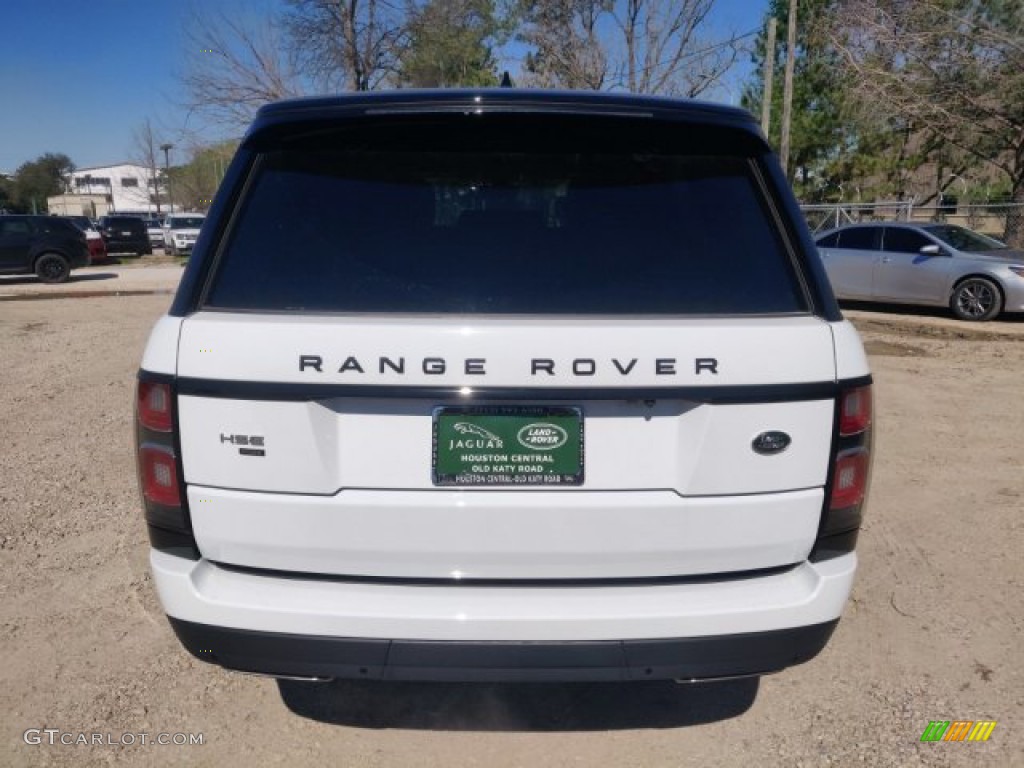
(504, 100)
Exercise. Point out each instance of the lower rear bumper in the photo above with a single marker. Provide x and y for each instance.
(288, 624)
(689, 658)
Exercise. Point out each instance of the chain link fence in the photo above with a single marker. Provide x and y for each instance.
(993, 219)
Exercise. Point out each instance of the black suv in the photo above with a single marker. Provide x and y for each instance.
(125, 234)
(46, 245)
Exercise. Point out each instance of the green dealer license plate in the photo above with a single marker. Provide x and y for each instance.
(508, 445)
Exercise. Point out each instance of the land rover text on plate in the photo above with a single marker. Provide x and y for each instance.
(504, 385)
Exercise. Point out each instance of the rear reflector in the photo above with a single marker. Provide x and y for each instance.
(855, 411)
(159, 474)
(850, 482)
(155, 406)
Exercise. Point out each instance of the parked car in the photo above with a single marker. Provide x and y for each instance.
(93, 238)
(125, 234)
(181, 231)
(155, 229)
(939, 265)
(571, 399)
(49, 246)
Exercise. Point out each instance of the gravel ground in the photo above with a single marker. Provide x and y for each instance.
(933, 630)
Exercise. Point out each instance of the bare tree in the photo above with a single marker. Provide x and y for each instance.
(952, 68)
(567, 50)
(147, 154)
(347, 44)
(665, 49)
(643, 46)
(235, 66)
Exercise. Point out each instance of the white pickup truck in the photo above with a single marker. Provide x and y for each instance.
(504, 385)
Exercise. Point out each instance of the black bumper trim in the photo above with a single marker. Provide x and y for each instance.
(410, 581)
(834, 545)
(689, 658)
(177, 542)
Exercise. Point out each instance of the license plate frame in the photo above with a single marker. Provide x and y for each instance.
(519, 446)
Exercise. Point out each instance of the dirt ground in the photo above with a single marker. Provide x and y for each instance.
(933, 631)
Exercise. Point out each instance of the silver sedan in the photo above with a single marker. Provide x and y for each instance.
(976, 276)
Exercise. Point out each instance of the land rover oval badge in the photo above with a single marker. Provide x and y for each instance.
(770, 443)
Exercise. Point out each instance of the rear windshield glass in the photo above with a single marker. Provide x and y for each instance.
(964, 239)
(194, 222)
(496, 231)
(81, 222)
(53, 225)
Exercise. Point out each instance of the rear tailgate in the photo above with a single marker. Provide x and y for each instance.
(304, 450)
(622, 290)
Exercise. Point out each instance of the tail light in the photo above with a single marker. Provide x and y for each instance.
(97, 250)
(159, 462)
(855, 411)
(849, 474)
(158, 473)
(850, 479)
(155, 405)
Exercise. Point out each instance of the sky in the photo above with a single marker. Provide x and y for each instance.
(81, 76)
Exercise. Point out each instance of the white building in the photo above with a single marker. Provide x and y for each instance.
(92, 206)
(127, 187)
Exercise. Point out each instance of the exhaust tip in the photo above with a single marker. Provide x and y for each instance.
(721, 678)
(291, 678)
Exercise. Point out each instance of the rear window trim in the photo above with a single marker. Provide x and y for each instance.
(225, 232)
(767, 200)
(308, 313)
(783, 230)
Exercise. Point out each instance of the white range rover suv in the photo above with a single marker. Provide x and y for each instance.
(504, 385)
(180, 231)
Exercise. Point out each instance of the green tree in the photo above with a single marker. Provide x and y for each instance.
(39, 179)
(450, 45)
(194, 184)
(7, 194)
(819, 132)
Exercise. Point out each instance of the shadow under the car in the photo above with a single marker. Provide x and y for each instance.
(89, 276)
(896, 309)
(915, 310)
(74, 278)
(520, 706)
